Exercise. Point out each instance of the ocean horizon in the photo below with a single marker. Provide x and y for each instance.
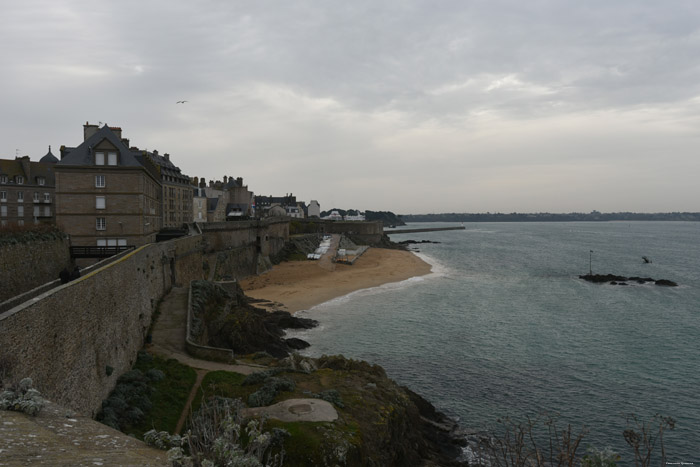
(504, 327)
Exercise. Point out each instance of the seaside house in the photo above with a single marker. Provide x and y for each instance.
(107, 194)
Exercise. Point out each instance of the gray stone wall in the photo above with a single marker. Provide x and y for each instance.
(69, 338)
(24, 266)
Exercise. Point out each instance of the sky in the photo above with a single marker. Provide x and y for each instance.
(409, 106)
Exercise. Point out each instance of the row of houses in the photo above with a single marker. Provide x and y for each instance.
(105, 192)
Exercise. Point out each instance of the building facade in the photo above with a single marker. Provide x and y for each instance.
(27, 190)
(107, 195)
(177, 191)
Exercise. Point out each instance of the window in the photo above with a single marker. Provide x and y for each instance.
(99, 158)
(36, 196)
(41, 181)
(20, 196)
(36, 211)
(112, 158)
(20, 211)
(99, 181)
(3, 223)
(19, 179)
(3, 211)
(20, 222)
(99, 202)
(101, 242)
(3, 196)
(121, 242)
(3, 178)
(47, 211)
(47, 197)
(101, 223)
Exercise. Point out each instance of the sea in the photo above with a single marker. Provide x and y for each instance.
(504, 327)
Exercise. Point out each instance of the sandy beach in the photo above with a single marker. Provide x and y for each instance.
(299, 285)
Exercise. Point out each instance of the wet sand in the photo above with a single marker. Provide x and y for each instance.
(299, 285)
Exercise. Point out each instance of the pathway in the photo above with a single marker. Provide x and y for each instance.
(168, 341)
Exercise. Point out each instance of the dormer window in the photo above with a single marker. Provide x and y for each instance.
(19, 180)
(3, 179)
(41, 181)
(99, 158)
(111, 158)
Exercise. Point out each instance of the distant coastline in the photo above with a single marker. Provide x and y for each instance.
(594, 216)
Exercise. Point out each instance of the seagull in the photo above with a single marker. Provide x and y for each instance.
(180, 102)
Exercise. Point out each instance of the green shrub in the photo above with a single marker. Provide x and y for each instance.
(22, 398)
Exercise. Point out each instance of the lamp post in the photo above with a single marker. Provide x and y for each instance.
(590, 262)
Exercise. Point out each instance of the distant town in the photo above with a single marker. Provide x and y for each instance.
(107, 192)
(593, 216)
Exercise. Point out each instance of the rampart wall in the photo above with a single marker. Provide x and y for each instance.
(76, 339)
(24, 266)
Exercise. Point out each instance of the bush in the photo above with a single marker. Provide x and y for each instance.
(22, 398)
(266, 394)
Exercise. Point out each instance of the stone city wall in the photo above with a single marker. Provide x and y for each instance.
(24, 266)
(76, 339)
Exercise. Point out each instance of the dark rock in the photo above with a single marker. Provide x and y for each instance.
(296, 344)
(621, 280)
(666, 283)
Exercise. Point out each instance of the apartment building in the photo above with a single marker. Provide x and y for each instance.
(107, 194)
(177, 191)
(27, 190)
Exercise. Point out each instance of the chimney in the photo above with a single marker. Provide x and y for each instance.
(202, 183)
(63, 151)
(167, 156)
(195, 181)
(240, 181)
(211, 183)
(155, 153)
(89, 130)
(125, 142)
(225, 179)
(117, 131)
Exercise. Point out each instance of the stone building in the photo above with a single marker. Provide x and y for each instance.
(27, 190)
(228, 200)
(314, 209)
(106, 194)
(177, 191)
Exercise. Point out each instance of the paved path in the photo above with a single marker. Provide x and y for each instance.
(326, 261)
(168, 339)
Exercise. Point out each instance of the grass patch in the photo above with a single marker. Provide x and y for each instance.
(224, 384)
(168, 395)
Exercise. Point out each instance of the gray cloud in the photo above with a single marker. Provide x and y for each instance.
(412, 106)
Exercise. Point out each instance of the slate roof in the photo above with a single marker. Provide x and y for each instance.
(83, 155)
(49, 158)
(12, 168)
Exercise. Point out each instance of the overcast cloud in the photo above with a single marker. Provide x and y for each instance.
(410, 106)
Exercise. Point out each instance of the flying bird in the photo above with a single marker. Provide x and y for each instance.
(180, 102)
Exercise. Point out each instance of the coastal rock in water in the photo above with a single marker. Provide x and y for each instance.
(622, 280)
(666, 283)
(296, 344)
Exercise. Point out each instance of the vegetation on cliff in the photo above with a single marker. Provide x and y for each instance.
(13, 234)
(227, 319)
